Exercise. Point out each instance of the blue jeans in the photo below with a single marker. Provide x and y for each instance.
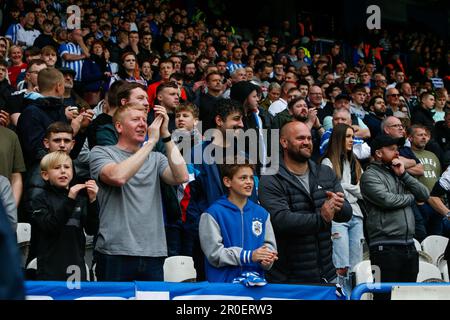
(347, 248)
(129, 268)
(347, 242)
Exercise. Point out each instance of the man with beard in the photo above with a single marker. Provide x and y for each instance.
(376, 114)
(302, 199)
(298, 110)
(263, 70)
(389, 192)
(392, 126)
(206, 101)
(188, 69)
(419, 137)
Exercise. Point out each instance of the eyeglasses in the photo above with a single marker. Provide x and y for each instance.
(398, 126)
(394, 95)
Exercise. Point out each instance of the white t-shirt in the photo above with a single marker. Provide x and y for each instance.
(278, 106)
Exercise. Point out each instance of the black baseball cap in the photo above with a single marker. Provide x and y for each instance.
(385, 140)
(65, 70)
(342, 96)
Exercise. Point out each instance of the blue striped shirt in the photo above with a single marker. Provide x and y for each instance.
(326, 139)
(231, 66)
(11, 33)
(72, 48)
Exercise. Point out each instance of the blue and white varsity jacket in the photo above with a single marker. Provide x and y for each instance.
(228, 237)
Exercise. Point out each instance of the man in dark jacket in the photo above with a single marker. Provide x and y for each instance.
(255, 118)
(11, 277)
(35, 119)
(389, 192)
(302, 198)
(424, 116)
(207, 186)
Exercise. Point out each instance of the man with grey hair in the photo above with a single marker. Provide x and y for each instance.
(273, 94)
(393, 103)
(237, 75)
(281, 103)
(392, 126)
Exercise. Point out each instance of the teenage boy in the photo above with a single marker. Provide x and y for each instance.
(235, 233)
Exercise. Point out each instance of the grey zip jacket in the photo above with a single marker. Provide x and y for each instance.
(388, 198)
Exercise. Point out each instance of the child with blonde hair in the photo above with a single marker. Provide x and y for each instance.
(62, 213)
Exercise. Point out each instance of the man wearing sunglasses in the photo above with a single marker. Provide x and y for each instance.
(393, 103)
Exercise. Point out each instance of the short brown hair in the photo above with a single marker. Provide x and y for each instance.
(124, 91)
(188, 107)
(232, 165)
(35, 61)
(48, 78)
(57, 127)
(47, 50)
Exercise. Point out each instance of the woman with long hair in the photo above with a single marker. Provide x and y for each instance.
(129, 69)
(347, 237)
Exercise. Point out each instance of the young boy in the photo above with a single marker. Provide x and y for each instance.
(186, 120)
(48, 54)
(60, 213)
(235, 233)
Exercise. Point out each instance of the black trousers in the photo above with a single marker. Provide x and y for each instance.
(397, 263)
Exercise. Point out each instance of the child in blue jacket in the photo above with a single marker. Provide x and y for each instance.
(235, 233)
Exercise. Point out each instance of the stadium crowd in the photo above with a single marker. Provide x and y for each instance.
(105, 133)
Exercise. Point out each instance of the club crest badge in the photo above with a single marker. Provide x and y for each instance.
(257, 228)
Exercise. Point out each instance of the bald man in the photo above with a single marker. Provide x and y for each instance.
(302, 198)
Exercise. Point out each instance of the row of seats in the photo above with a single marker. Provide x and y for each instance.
(176, 269)
(180, 268)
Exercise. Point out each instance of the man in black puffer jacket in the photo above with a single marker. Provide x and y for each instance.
(302, 199)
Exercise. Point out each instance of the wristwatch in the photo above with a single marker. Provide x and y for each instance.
(448, 215)
(167, 139)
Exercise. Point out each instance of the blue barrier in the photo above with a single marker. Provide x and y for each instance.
(386, 287)
(55, 290)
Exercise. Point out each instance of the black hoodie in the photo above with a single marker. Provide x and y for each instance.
(33, 123)
(59, 221)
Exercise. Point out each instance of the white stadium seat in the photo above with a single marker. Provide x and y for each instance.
(179, 269)
(434, 246)
(23, 233)
(428, 271)
(363, 274)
